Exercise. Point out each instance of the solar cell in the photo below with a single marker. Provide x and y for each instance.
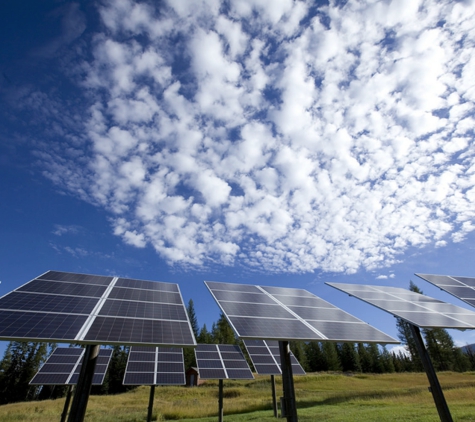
(417, 309)
(155, 366)
(221, 361)
(265, 356)
(63, 366)
(278, 313)
(90, 309)
(462, 288)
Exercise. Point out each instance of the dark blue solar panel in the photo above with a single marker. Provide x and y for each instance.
(226, 361)
(155, 366)
(278, 313)
(83, 308)
(265, 356)
(418, 309)
(64, 364)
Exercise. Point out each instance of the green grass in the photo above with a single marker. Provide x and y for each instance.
(333, 397)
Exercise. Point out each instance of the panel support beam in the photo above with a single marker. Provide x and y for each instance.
(274, 398)
(150, 403)
(288, 382)
(437, 393)
(83, 388)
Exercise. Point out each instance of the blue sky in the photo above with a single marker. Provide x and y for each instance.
(261, 141)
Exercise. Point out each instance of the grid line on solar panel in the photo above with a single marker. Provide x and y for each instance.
(147, 285)
(427, 317)
(75, 277)
(56, 287)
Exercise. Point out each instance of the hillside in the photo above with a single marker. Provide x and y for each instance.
(330, 396)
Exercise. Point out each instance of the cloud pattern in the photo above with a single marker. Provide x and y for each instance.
(279, 135)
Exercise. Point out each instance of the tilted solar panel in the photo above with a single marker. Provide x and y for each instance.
(90, 309)
(415, 308)
(155, 366)
(265, 356)
(64, 365)
(277, 313)
(462, 288)
(221, 361)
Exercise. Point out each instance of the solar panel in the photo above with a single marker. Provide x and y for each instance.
(277, 313)
(64, 365)
(155, 366)
(462, 288)
(221, 361)
(265, 356)
(415, 308)
(90, 309)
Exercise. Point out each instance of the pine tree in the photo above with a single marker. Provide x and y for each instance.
(205, 336)
(349, 358)
(116, 370)
(222, 332)
(377, 366)
(332, 362)
(366, 360)
(190, 309)
(387, 361)
(314, 357)
(297, 348)
(20, 363)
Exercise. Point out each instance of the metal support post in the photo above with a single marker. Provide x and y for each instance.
(288, 382)
(150, 403)
(83, 388)
(274, 398)
(66, 403)
(437, 393)
(220, 401)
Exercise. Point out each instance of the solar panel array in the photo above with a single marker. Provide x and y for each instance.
(155, 366)
(90, 309)
(415, 308)
(64, 365)
(265, 356)
(221, 361)
(276, 313)
(461, 287)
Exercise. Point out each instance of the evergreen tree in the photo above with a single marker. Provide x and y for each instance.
(332, 362)
(190, 309)
(377, 366)
(20, 363)
(298, 349)
(349, 358)
(116, 370)
(314, 357)
(222, 332)
(189, 353)
(204, 336)
(366, 360)
(387, 361)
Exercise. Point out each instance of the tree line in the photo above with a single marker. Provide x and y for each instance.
(22, 360)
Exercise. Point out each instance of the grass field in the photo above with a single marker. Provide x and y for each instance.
(335, 397)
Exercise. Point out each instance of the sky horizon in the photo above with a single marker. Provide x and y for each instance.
(282, 143)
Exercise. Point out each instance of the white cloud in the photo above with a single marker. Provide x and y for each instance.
(259, 134)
